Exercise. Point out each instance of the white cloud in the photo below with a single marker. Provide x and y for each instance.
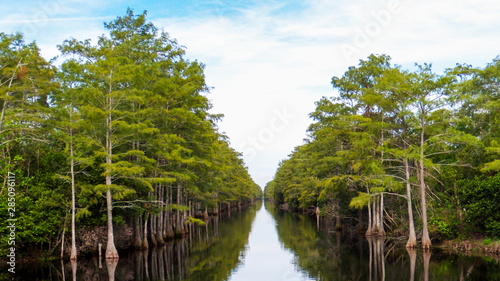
(263, 60)
(51, 22)
(267, 56)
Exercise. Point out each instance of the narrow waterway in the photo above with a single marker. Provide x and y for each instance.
(266, 258)
(262, 243)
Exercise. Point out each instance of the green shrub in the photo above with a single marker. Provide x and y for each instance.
(443, 229)
(479, 197)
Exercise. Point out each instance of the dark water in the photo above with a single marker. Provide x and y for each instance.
(263, 243)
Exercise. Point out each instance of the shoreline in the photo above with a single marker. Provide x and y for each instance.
(474, 247)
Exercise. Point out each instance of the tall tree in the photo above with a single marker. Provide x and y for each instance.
(399, 159)
(26, 80)
(429, 98)
(150, 126)
(104, 77)
(487, 102)
(360, 88)
(67, 120)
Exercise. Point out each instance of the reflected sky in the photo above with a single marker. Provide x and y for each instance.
(266, 258)
(261, 244)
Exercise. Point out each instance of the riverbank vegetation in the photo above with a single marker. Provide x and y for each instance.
(119, 134)
(209, 252)
(404, 152)
(327, 255)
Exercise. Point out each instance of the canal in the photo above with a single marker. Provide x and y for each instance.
(264, 243)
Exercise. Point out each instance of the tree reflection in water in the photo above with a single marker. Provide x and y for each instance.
(111, 264)
(209, 252)
(327, 255)
(412, 253)
(377, 258)
(215, 251)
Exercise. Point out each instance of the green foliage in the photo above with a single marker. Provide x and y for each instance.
(195, 221)
(489, 241)
(443, 229)
(176, 207)
(386, 129)
(360, 201)
(40, 210)
(479, 198)
(129, 114)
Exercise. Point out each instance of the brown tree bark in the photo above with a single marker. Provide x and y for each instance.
(138, 233)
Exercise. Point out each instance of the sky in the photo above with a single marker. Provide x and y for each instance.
(267, 62)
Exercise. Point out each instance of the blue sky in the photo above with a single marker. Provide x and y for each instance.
(269, 61)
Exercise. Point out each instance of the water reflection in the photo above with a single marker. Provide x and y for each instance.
(413, 260)
(210, 252)
(266, 259)
(376, 265)
(328, 256)
(270, 244)
(111, 266)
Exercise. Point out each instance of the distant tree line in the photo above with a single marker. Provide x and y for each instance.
(417, 150)
(119, 133)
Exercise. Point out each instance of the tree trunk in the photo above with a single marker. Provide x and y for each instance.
(74, 268)
(145, 243)
(62, 239)
(164, 214)
(152, 230)
(169, 216)
(179, 214)
(370, 221)
(375, 217)
(318, 212)
(338, 223)
(165, 224)
(381, 229)
(426, 241)
(138, 233)
(184, 213)
(73, 195)
(111, 252)
(159, 223)
(412, 237)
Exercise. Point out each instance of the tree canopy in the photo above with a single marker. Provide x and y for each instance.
(392, 135)
(123, 127)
